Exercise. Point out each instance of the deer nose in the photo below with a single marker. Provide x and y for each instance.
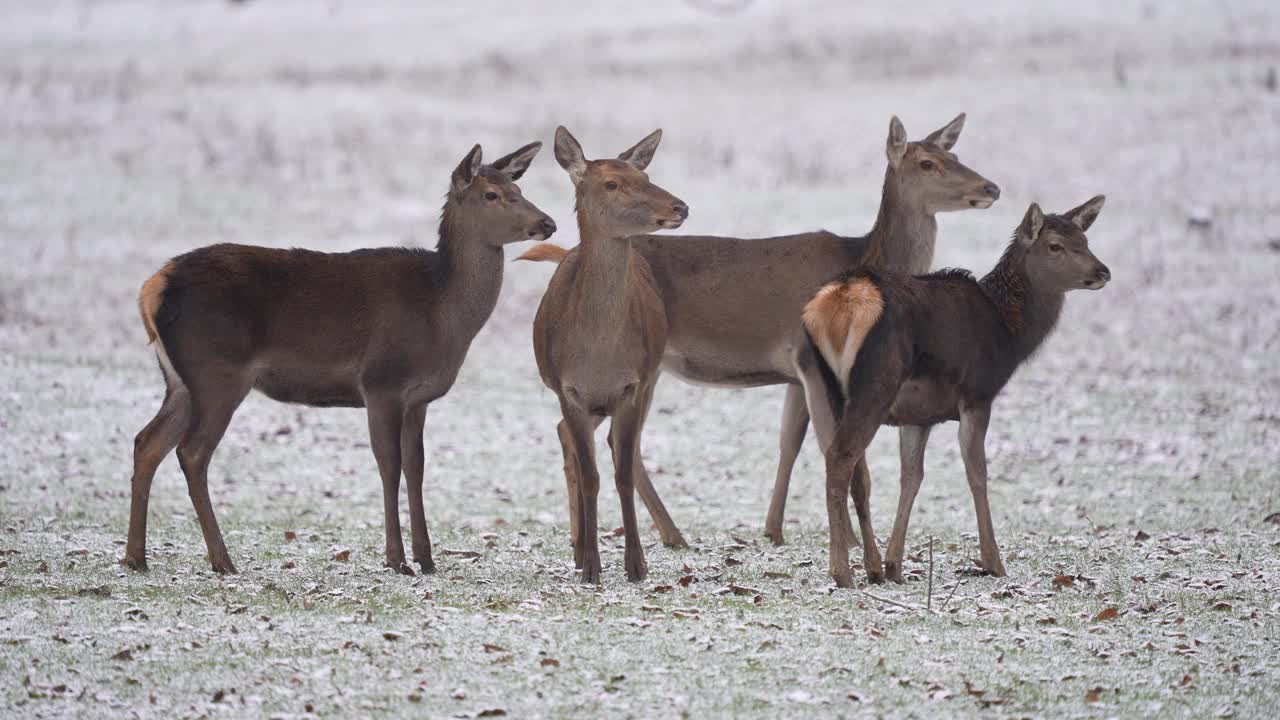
(548, 227)
(1103, 273)
(992, 189)
(681, 209)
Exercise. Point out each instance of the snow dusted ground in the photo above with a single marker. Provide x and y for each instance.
(132, 131)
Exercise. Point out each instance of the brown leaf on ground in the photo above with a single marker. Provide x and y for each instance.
(1047, 621)
(775, 575)
(1186, 681)
(124, 655)
(1107, 614)
(1063, 581)
(342, 555)
(392, 635)
(1273, 518)
(1141, 536)
(1094, 695)
(491, 712)
(290, 536)
(619, 531)
(663, 588)
(549, 662)
(858, 697)
(1222, 606)
(687, 580)
(490, 648)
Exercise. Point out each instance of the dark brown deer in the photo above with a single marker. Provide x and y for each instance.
(600, 330)
(385, 329)
(732, 303)
(889, 348)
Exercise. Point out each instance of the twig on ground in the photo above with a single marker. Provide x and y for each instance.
(887, 601)
(929, 605)
(953, 592)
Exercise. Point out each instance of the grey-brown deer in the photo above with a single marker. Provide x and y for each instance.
(600, 330)
(384, 329)
(915, 351)
(732, 304)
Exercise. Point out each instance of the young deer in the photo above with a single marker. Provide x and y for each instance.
(732, 303)
(888, 348)
(385, 329)
(600, 330)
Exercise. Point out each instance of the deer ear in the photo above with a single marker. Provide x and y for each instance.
(569, 155)
(467, 169)
(1032, 224)
(1084, 215)
(514, 165)
(641, 154)
(946, 136)
(896, 146)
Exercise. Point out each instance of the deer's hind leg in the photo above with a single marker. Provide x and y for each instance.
(215, 395)
(795, 423)
(151, 446)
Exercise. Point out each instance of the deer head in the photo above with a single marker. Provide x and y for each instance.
(928, 174)
(486, 198)
(616, 196)
(1058, 258)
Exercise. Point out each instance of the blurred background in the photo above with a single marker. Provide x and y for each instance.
(133, 131)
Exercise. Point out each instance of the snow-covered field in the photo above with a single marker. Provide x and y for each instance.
(1134, 459)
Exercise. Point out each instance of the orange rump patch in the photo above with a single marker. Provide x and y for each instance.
(149, 299)
(838, 319)
(545, 252)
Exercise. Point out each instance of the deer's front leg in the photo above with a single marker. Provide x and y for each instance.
(795, 422)
(385, 420)
(974, 419)
(587, 554)
(413, 458)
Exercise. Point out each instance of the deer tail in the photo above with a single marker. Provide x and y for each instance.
(150, 297)
(837, 321)
(545, 252)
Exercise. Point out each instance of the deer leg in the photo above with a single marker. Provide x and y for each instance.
(822, 416)
(912, 440)
(839, 470)
(211, 411)
(624, 435)
(386, 417)
(667, 530)
(587, 553)
(150, 448)
(795, 422)
(413, 463)
(570, 480)
(973, 434)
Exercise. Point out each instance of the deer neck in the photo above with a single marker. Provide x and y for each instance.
(903, 237)
(1029, 313)
(600, 289)
(472, 270)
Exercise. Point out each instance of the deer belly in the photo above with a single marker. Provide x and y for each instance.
(315, 389)
(924, 402)
(726, 369)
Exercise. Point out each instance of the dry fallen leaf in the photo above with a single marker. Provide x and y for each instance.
(1222, 606)
(290, 536)
(460, 553)
(662, 588)
(1273, 518)
(549, 662)
(858, 697)
(1063, 581)
(1107, 614)
(1094, 695)
(342, 555)
(686, 580)
(392, 635)
(491, 712)
(1141, 536)
(123, 655)
(489, 648)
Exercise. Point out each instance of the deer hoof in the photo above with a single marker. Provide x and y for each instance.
(637, 571)
(844, 579)
(893, 570)
(591, 572)
(139, 564)
(994, 569)
(775, 537)
(224, 567)
(875, 577)
(428, 566)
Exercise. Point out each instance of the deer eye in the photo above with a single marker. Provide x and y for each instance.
(611, 185)
(1055, 247)
(491, 195)
(926, 165)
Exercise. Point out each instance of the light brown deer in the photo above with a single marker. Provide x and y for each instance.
(384, 329)
(732, 304)
(600, 331)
